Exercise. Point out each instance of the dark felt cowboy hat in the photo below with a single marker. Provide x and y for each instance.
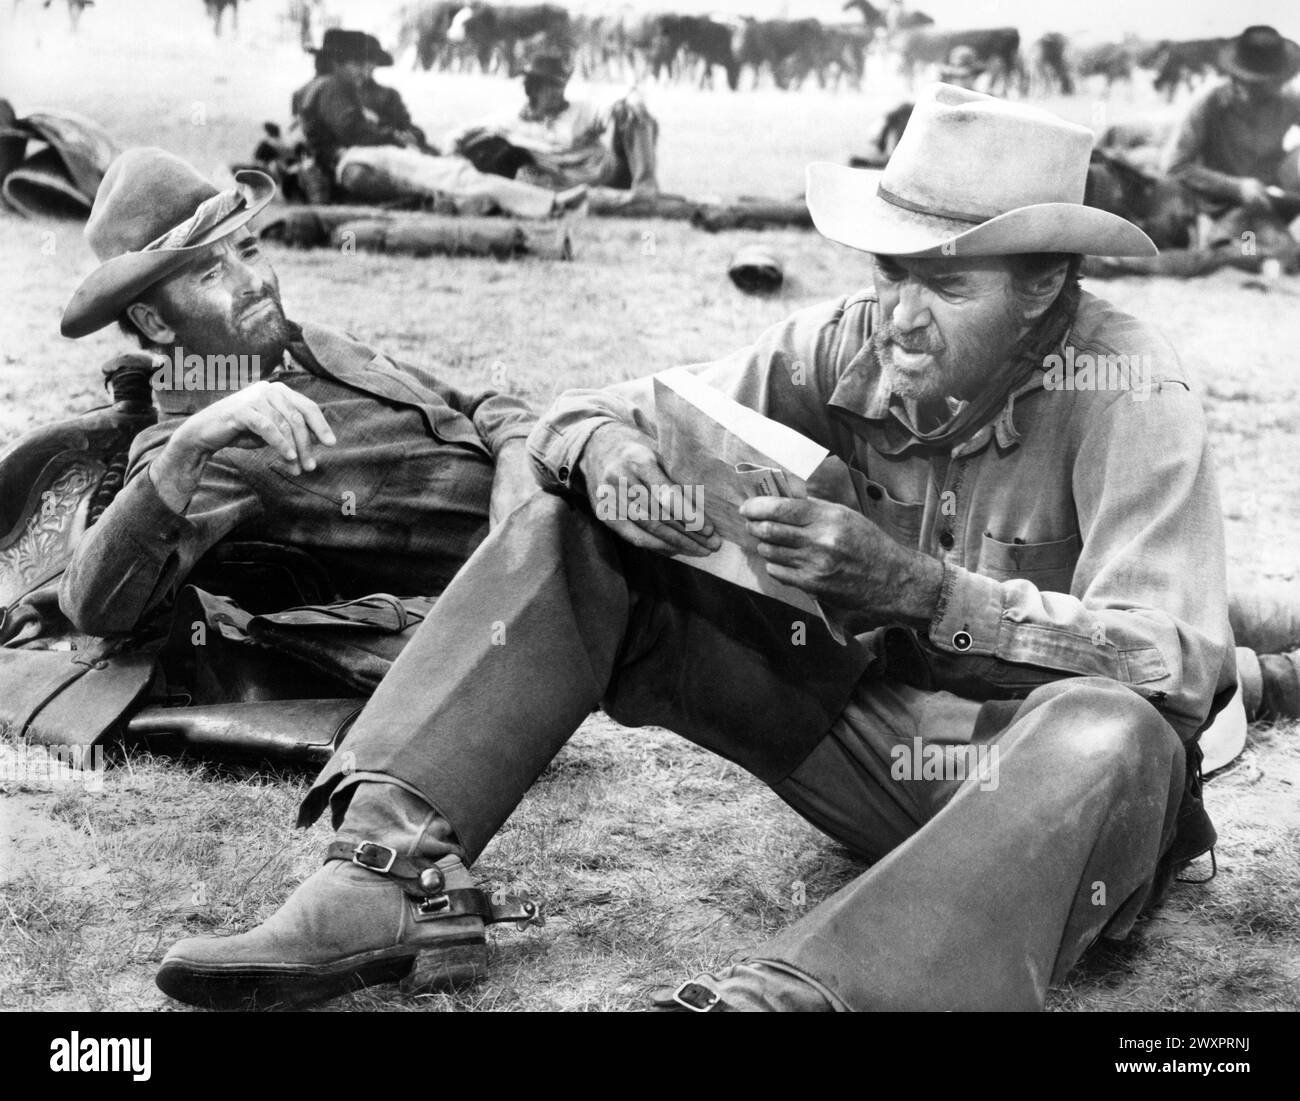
(153, 213)
(1260, 54)
(341, 45)
(550, 67)
(973, 176)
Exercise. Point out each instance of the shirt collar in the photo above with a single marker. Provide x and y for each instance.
(863, 396)
(184, 403)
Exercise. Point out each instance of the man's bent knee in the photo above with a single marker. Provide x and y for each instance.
(1104, 718)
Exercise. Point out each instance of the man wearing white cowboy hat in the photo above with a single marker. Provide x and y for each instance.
(266, 426)
(1036, 570)
(1228, 149)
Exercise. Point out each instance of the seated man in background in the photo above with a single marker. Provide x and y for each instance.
(305, 437)
(1228, 150)
(340, 136)
(384, 106)
(560, 143)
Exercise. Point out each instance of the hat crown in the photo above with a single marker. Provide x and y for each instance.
(145, 193)
(1261, 49)
(971, 157)
(345, 45)
(548, 66)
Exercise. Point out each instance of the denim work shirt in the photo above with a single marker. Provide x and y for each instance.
(397, 505)
(1080, 530)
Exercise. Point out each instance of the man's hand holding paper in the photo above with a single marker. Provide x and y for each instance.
(842, 559)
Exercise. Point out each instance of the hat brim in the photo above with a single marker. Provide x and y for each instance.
(1224, 739)
(118, 282)
(846, 207)
(1228, 63)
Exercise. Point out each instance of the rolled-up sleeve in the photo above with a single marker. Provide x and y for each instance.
(1148, 603)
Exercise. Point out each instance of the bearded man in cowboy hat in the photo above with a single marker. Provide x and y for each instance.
(350, 144)
(557, 142)
(267, 428)
(1228, 151)
(1035, 569)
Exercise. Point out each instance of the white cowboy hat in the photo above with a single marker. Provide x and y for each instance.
(973, 176)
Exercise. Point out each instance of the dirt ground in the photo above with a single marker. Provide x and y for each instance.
(655, 859)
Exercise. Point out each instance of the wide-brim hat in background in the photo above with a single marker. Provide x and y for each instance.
(152, 214)
(343, 45)
(375, 52)
(550, 67)
(1260, 54)
(973, 176)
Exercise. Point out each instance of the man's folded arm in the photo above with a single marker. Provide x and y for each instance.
(133, 559)
(341, 110)
(787, 374)
(1184, 159)
(1148, 603)
(499, 418)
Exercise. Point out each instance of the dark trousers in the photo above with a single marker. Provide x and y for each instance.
(980, 895)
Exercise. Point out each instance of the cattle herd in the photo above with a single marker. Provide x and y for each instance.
(745, 52)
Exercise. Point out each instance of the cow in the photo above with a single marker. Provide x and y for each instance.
(694, 37)
(997, 49)
(601, 44)
(216, 12)
(1051, 67)
(788, 48)
(844, 55)
(1112, 60)
(76, 8)
(425, 27)
(1177, 62)
(497, 31)
(872, 17)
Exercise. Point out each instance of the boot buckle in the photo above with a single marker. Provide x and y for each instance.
(696, 997)
(366, 851)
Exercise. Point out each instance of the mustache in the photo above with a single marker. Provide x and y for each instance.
(261, 300)
(912, 342)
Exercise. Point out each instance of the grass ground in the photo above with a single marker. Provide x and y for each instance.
(654, 858)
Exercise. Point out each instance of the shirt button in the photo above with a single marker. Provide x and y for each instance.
(875, 492)
(962, 641)
(946, 540)
(564, 474)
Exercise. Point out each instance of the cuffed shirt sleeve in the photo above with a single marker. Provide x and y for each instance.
(1148, 602)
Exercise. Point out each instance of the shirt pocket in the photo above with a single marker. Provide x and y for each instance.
(900, 519)
(1048, 566)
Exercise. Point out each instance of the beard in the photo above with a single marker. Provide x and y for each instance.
(957, 368)
(255, 326)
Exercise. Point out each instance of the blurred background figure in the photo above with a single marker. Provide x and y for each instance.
(1228, 149)
(557, 142)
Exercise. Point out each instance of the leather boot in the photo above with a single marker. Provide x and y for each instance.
(755, 986)
(393, 903)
